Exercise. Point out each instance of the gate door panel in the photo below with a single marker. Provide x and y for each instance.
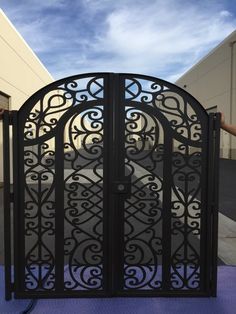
(63, 237)
(163, 223)
(115, 190)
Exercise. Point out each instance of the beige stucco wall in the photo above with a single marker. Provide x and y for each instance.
(21, 72)
(213, 82)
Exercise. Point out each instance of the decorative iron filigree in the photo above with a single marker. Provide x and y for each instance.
(46, 112)
(39, 217)
(163, 154)
(84, 200)
(181, 114)
(40, 131)
(143, 210)
(186, 218)
(156, 115)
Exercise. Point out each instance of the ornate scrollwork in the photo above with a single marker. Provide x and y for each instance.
(39, 133)
(164, 151)
(84, 200)
(186, 218)
(39, 217)
(143, 243)
(145, 130)
(45, 114)
(182, 116)
(143, 210)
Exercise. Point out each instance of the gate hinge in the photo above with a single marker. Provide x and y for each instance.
(10, 115)
(213, 291)
(216, 122)
(12, 286)
(1, 114)
(212, 208)
(10, 118)
(11, 197)
(211, 284)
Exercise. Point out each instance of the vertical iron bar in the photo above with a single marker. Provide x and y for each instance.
(107, 173)
(204, 206)
(215, 203)
(59, 211)
(15, 165)
(7, 208)
(212, 205)
(208, 238)
(109, 178)
(166, 212)
(19, 183)
(119, 173)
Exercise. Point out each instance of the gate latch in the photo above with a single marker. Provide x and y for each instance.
(122, 187)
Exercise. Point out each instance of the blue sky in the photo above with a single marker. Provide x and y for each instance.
(163, 38)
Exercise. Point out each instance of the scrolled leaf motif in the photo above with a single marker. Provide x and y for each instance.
(69, 245)
(141, 277)
(49, 281)
(31, 281)
(91, 277)
(135, 277)
(194, 210)
(140, 129)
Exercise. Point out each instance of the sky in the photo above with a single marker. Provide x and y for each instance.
(162, 38)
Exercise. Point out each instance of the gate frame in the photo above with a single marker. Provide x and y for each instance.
(10, 118)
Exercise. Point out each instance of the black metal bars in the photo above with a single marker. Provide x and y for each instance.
(7, 208)
(117, 176)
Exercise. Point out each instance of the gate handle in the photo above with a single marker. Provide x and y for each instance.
(122, 187)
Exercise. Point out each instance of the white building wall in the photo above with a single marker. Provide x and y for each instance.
(213, 82)
(22, 73)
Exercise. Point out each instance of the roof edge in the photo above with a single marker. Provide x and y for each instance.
(207, 55)
(26, 44)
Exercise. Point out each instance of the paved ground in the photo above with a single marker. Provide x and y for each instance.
(227, 217)
(227, 199)
(227, 207)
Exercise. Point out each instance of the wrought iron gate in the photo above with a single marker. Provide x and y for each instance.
(114, 190)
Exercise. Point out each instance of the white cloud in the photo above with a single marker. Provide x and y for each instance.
(160, 38)
(225, 13)
(153, 37)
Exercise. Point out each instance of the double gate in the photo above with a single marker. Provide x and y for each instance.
(114, 190)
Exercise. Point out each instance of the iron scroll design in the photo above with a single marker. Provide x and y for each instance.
(143, 210)
(84, 202)
(44, 113)
(39, 119)
(67, 177)
(39, 216)
(158, 113)
(184, 114)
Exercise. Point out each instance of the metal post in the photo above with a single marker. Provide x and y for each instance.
(215, 202)
(6, 203)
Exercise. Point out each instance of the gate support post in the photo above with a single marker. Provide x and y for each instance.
(6, 203)
(8, 197)
(215, 200)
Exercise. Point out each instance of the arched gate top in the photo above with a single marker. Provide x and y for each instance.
(184, 114)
